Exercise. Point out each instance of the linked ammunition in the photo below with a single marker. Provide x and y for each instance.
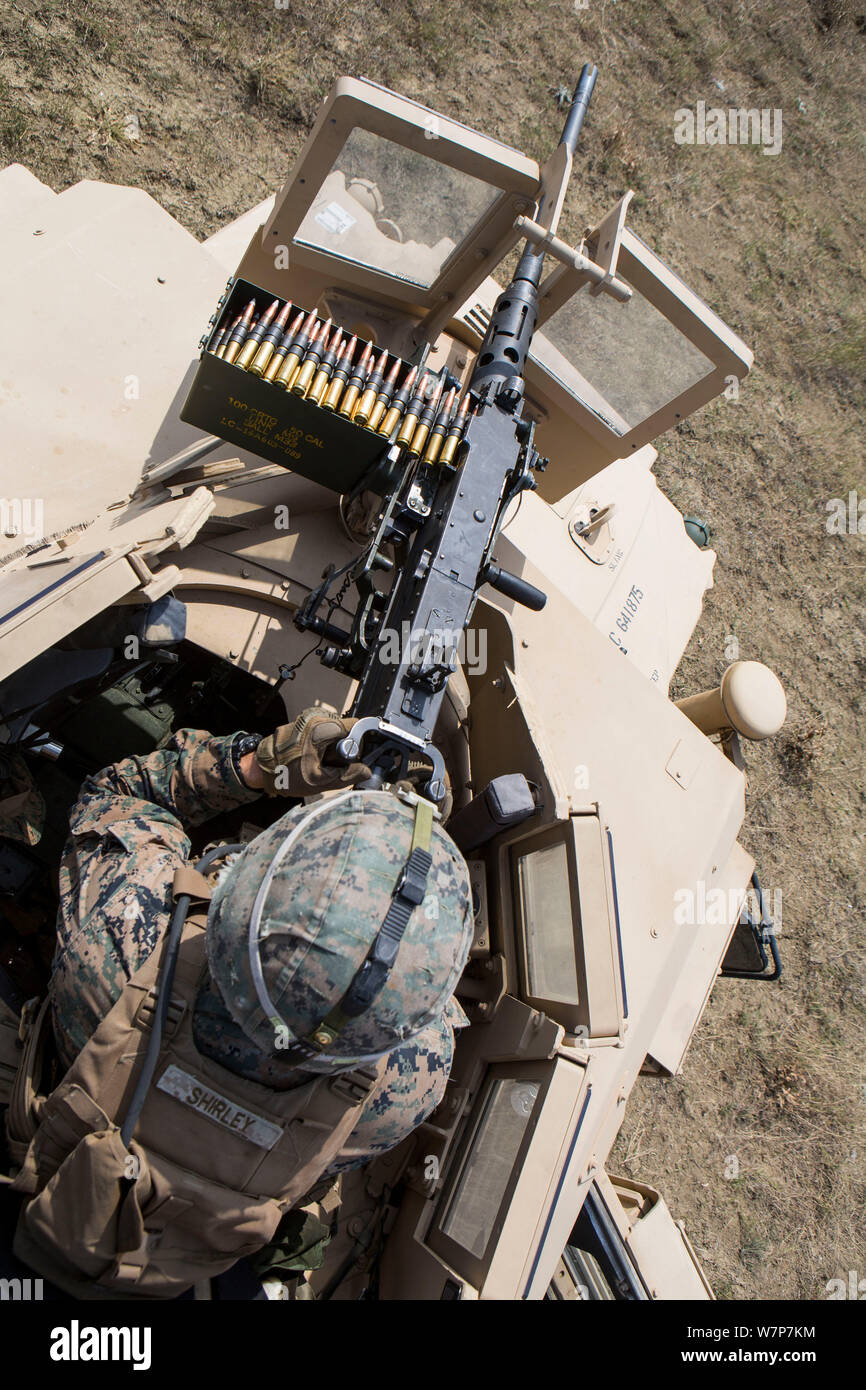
(419, 435)
(283, 346)
(437, 434)
(270, 340)
(312, 358)
(383, 399)
(455, 434)
(398, 404)
(413, 410)
(355, 382)
(255, 335)
(361, 413)
(341, 371)
(326, 367)
(292, 360)
(224, 335)
(239, 333)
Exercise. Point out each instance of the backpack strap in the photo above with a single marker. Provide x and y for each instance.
(10, 1050)
(25, 1101)
(189, 881)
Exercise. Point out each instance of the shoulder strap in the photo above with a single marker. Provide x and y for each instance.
(189, 881)
(22, 1119)
(183, 897)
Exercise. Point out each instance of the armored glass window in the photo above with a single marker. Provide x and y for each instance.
(548, 919)
(567, 933)
(489, 1164)
(632, 359)
(521, 1120)
(392, 209)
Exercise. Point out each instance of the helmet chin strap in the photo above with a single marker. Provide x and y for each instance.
(372, 975)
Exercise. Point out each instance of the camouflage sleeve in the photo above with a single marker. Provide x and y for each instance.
(411, 1088)
(115, 875)
(193, 778)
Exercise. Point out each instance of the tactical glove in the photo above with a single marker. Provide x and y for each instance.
(420, 773)
(294, 758)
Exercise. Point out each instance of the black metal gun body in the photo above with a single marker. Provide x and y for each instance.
(441, 525)
(403, 683)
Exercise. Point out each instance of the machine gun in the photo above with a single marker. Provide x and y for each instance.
(440, 524)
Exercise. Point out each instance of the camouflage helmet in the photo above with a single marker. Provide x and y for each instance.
(292, 922)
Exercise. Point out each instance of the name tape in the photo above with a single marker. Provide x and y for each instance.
(190, 1091)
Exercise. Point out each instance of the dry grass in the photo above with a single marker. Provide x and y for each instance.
(224, 93)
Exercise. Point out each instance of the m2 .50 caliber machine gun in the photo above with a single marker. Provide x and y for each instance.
(440, 521)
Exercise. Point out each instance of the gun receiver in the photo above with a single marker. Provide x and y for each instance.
(441, 523)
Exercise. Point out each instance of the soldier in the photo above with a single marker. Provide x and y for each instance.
(310, 1017)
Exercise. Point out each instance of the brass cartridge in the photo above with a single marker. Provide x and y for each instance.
(437, 434)
(225, 333)
(284, 345)
(269, 341)
(455, 434)
(413, 410)
(361, 413)
(419, 435)
(290, 365)
(383, 399)
(356, 381)
(341, 371)
(398, 404)
(239, 333)
(312, 358)
(256, 333)
(326, 368)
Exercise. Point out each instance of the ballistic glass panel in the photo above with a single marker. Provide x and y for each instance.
(634, 360)
(407, 223)
(487, 1169)
(548, 924)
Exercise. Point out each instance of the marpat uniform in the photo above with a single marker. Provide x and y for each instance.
(225, 1065)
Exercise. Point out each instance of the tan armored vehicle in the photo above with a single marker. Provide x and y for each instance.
(153, 577)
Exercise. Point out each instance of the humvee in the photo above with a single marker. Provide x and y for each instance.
(152, 577)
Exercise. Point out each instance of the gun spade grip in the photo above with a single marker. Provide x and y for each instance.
(513, 587)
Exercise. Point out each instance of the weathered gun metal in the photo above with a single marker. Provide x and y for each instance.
(501, 628)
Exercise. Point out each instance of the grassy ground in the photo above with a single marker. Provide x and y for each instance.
(223, 94)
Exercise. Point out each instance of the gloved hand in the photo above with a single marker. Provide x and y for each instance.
(292, 758)
(418, 774)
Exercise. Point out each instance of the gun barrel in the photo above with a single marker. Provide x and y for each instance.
(579, 103)
(502, 355)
